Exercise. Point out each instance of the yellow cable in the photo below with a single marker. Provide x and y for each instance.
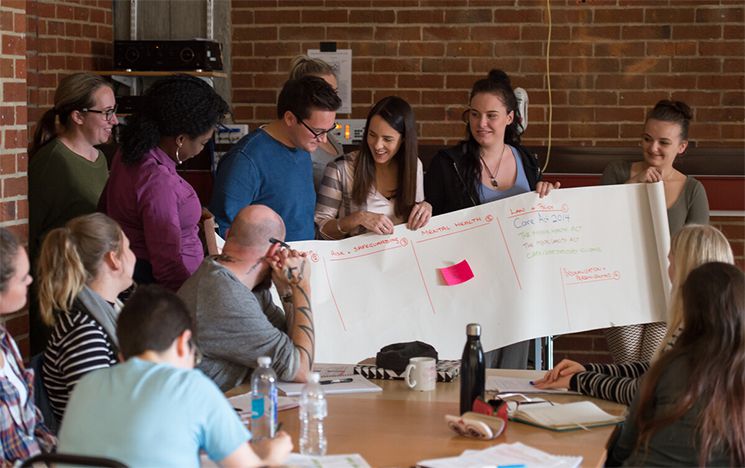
(548, 84)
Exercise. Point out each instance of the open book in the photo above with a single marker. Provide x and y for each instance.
(566, 417)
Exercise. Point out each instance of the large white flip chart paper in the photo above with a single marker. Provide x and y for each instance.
(578, 259)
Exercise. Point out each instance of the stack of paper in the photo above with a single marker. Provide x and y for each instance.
(516, 454)
(350, 384)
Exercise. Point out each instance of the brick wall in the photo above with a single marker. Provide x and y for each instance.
(13, 203)
(42, 40)
(610, 60)
(65, 36)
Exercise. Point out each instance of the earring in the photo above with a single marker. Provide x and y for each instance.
(178, 161)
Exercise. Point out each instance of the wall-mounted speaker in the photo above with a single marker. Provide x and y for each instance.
(189, 55)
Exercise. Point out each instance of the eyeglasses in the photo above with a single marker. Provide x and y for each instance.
(107, 114)
(317, 134)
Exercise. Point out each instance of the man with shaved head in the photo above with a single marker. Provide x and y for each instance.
(237, 322)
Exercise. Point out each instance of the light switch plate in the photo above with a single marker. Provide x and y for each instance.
(349, 131)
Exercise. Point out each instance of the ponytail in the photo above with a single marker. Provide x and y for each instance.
(61, 274)
(46, 130)
(138, 136)
(71, 257)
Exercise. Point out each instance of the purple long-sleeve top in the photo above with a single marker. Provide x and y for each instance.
(159, 212)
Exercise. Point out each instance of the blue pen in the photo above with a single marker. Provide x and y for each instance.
(510, 466)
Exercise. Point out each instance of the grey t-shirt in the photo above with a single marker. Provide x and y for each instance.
(691, 207)
(235, 326)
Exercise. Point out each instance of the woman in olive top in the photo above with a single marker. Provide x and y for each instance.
(66, 172)
(665, 138)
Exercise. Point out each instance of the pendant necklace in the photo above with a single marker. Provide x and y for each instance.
(493, 177)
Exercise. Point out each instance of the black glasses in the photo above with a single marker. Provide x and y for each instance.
(317, 134)
(107, 114)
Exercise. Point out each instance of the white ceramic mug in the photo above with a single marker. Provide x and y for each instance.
(421, 373)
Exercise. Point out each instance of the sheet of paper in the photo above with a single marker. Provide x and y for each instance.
(242, 404)
(220, 242)
(358, 384)
(457, 274)
(516, 454)
(578, 259)
(353, 460)
(499, 384)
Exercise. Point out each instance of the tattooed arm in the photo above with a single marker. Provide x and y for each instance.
(291, 275)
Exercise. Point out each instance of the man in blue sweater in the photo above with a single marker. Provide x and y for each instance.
(272, 166)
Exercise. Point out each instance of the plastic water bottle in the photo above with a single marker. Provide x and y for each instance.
(472, 369)
(312, 411)
(263, 400)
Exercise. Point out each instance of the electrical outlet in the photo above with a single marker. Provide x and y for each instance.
(349, 131)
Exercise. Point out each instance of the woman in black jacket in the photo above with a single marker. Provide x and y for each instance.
(488, 165)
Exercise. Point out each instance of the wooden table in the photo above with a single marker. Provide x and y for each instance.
(400, 427)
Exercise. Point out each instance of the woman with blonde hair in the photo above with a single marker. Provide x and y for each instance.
(22, 430)
(328, 150)
(694, 245)
(66, 172)
(82, 269)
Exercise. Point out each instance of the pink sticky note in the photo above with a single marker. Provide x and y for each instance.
(456, 274)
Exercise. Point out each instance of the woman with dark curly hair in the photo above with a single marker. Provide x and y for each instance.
(157, 209)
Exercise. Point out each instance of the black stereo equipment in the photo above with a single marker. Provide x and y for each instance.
(168, 55)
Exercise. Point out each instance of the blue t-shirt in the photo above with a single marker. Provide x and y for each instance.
(146, 414)
(259, 170)
(487, 194)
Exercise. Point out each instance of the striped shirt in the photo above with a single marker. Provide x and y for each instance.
(334, 199)
(78, 345)
(615, 382)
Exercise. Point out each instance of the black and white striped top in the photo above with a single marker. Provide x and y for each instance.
(78, 345)
(615, 382)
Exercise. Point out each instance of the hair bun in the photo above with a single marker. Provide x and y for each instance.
(683, 108)
(499, 76)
